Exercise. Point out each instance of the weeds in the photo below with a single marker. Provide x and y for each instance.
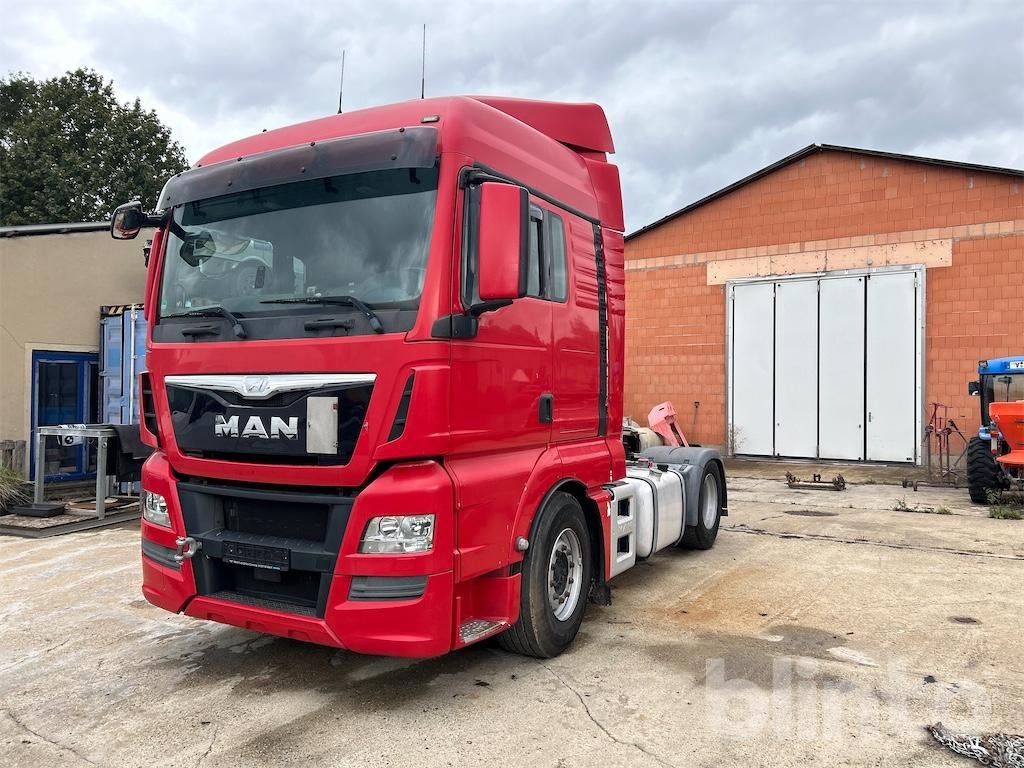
(902, 506)
(1006, 512)
(12, 489)
(1004, 507)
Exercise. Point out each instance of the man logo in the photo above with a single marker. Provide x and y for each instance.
(255, 428)
(256, 385)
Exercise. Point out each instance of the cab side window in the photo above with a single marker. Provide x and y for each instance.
(546, 278)
(558, 282)
(547, 275)
(536, 233)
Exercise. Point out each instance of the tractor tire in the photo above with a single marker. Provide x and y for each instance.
(709, 510)
(556, 574)
(983, 471)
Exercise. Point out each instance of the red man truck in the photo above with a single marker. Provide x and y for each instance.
(385, 380)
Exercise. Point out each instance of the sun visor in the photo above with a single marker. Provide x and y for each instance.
(397, 148)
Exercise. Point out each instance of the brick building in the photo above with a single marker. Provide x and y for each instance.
(819, 306)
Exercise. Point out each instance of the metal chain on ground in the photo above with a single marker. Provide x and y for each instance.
(1000, 750)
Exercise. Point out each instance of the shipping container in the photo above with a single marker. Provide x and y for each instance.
(122, 359)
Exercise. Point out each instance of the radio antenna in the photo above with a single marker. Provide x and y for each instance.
(341, 88)
(423, 70)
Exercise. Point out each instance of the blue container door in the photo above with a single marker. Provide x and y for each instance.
(64, 391)
(110, 369)
(123, 351)
(134, 363)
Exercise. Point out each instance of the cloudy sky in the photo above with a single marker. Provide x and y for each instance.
(699, 94)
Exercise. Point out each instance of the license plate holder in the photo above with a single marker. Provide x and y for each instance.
(256, 555)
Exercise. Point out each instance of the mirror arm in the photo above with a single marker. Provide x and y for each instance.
(177, 230)
(487, 306)
(474, 175)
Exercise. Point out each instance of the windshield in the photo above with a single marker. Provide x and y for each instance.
(364, 235)
(1000, 388)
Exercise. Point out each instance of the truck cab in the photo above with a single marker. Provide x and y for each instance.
(385, 378)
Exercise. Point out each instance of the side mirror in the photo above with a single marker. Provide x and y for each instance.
(127, 221)
(974, 388)
(503, 246)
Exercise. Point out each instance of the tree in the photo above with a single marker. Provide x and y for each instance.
(69, 151)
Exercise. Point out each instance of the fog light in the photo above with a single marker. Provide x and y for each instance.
(154, 509)
(398, 534)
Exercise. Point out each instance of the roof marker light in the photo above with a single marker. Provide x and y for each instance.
(430, 118)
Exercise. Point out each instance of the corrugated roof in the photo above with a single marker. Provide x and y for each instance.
(813, 149)
(26, 230)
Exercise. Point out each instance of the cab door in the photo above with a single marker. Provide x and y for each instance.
(572, 291)
(502, 376)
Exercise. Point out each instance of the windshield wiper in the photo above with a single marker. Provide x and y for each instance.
(344, 301)
(236, 324)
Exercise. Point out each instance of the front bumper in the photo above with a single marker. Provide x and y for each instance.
(412, 617)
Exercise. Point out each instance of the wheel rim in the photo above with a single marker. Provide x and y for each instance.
(565, 574)
(709, 500)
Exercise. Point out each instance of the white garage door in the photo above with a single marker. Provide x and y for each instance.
(826, 367)
(752, 324)
(891, 367)
(796, 367)
(841, 406)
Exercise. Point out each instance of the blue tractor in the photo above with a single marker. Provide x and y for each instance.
(999, 380)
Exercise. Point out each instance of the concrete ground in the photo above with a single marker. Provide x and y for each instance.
(824, 628)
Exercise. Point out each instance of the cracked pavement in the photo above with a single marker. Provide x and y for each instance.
(823, 628)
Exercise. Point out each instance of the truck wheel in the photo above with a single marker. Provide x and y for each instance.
(983, 471)
(555, 582)
(709, 510)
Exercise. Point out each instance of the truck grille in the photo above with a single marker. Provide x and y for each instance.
(212, 424)
(265, 547)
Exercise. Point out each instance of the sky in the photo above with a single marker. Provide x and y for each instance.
(698, 94)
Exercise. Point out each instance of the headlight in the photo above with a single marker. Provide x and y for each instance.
(154, 509)
(398, 534)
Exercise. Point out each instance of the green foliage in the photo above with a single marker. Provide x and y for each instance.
(1009, 510)
(69, 151)
(12, 489)
(1005, 505)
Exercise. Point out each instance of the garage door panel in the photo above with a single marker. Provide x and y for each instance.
(796, 368)
(827, 367)
(752, 365)
(891, 381)
(841, 382)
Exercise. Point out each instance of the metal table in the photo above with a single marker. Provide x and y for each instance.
(101, 433)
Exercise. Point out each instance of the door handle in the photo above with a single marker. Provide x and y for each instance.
(547, 408)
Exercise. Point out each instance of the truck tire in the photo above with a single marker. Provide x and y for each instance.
(702, 535)
(983, 471)
(556, 573)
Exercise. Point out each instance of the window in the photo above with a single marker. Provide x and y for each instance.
(547, 269)
(64, 391)
(533, 282)
(1001, 388)
(558, 281)
(546, 278)
(364, 234)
